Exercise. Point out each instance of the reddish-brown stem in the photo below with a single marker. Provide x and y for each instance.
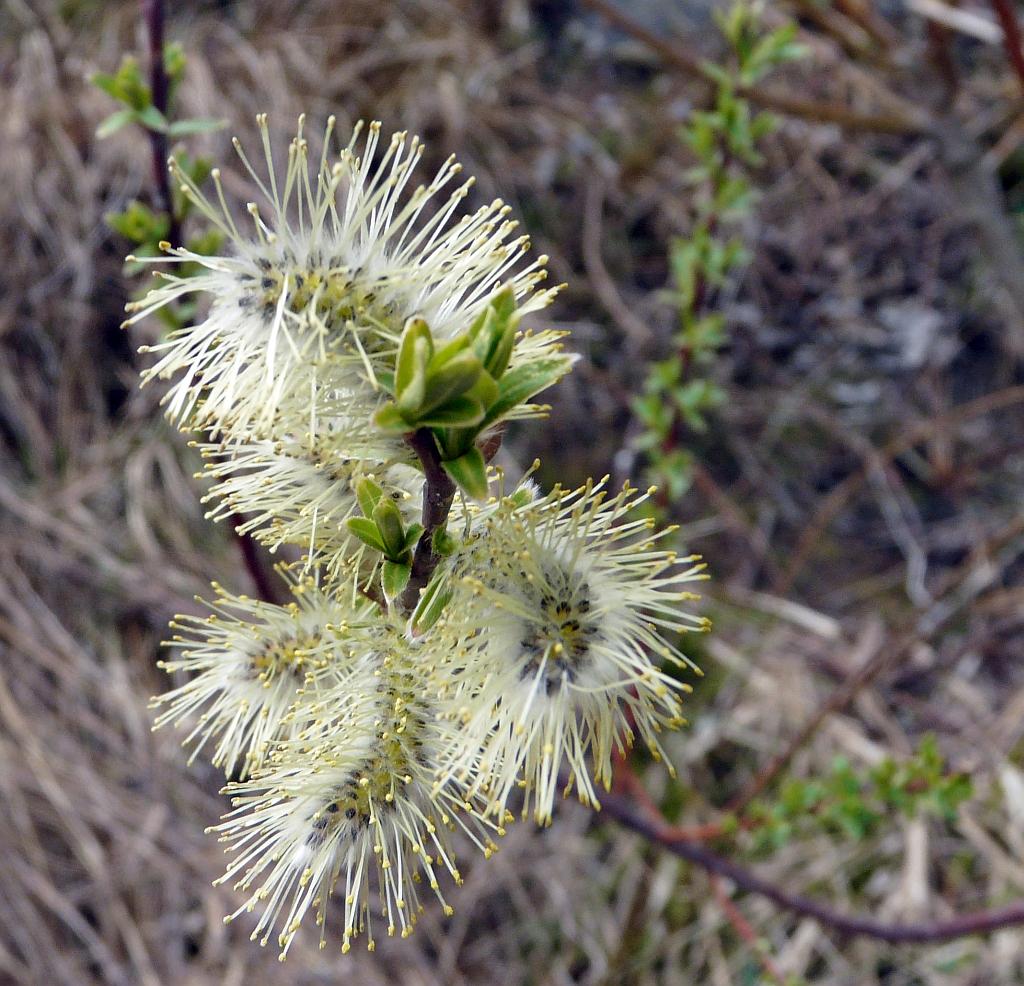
(744, 929)
(1012, 40)
(940, 49)
(266, 587)
(153, 16)
(490, 445)
(976, 923)
(438, 493)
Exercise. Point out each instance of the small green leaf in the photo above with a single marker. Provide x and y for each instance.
(394, 577)
(504, 303)
(411, 381)
(497, 360)
(485, 390)
(174, 61)
(182, 128)
(207, 244)
(409, 363)
(453, 379)
(389, 418)
(107, 83)
(152, 119)
(115, 122)
(141, 225)
(449, 351)
(431, 604)
(460, 412)
(366, 530)
(443, 543)
(469, 472)
(412, 535)
(493, 332)
(388, 519)
(368, 493)
(521, 383)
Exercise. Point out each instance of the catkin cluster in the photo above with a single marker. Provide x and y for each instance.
(453, 649)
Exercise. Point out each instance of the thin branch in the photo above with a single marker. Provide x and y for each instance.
(745, 930)
(153, 16)
(266, 587)
(976, 923)
(438, 493)
(1012, 40)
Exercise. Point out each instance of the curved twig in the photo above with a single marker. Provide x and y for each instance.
(852, 925)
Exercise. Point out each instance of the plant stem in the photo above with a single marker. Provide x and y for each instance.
(976, 923)
(1012, 40)
(153, 16)
(266, 588)
(438, 493)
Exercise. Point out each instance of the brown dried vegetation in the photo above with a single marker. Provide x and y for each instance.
(859, 495)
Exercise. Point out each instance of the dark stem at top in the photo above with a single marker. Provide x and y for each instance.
(153, 16)
(1012, 40)
(438, 493)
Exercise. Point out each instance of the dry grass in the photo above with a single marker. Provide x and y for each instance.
(105, 871)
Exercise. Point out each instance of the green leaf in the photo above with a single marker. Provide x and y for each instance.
(411, 379)
(388, 519)
(208, 244)
(443, 543)
(469, 472)
(460, 412)
(174, 61)
(389, 418)
(406, 365)
(368, 493)
(394, 577)
(107, 83)
(141, 225)
(449, 351)
(115, 122)
(485, 390)
(431, 604)
(366, 530)
(412, 535)
(497, 359)
(182, 128)
(493, 332)
(504, 303)
(152, 119)
(453, 379)
(521, 383)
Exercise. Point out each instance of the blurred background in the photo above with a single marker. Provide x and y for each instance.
(808, 330)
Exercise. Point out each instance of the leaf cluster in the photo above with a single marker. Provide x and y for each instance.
(128, 87)
(143, 226)
(461, 388)
(382, 528)
(854, 805)
(678, 393)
